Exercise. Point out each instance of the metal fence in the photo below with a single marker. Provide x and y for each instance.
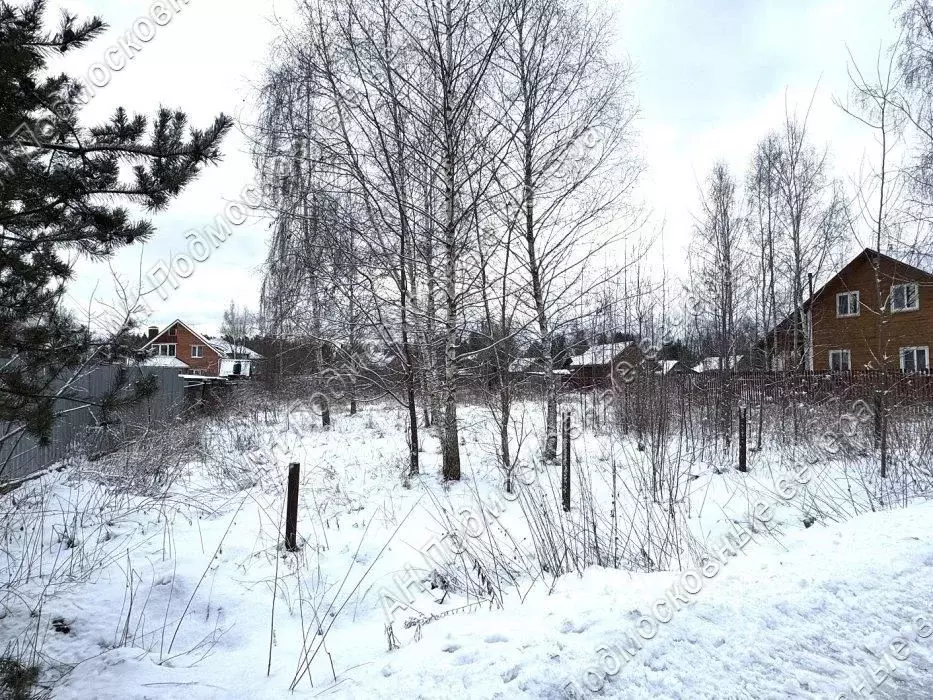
(913, 391)
(899, 388)
(79, 420)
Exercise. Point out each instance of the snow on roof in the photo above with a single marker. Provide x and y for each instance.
(668, 365)
(712, 364)
(524, 364)
(227, 348)
(163, 361)
(599, 355)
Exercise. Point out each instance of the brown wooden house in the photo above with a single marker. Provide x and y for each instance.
(601, 366)
(875, 313)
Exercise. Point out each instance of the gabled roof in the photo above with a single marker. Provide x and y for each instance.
(525, 364)
(599, 355)
(866, 254)
(714, 364)
(228, 349)
(178, 322)
(218, 345)
(666, 366)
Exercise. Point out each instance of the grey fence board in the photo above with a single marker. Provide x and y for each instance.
(79, 419)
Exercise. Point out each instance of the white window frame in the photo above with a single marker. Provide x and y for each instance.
(858, 304)
(916, 305)
(913, 349)
(843, 352)
(197, 352)
(162, 349)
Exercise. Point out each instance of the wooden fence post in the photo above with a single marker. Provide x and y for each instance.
(565, 464)
(743, 440)
(291, 508)
(884, 448)
(319, 400)
(878, 409)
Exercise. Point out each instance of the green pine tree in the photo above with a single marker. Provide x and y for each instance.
(64, 188)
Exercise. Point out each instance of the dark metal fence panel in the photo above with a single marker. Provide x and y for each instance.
(909, 389)
(79, 420)
(711, 396)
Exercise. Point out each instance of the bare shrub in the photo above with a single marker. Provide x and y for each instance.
(19, 674)
(150, 464)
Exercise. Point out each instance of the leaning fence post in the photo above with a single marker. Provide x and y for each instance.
(565, 464)
(743, 440)
(291, 508)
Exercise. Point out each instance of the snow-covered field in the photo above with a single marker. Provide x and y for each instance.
(777, 583)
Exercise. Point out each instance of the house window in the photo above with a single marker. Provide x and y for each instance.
(164, 349)
(915, 359)
(171, 332)
(847, 304)
(197, 351)
(905, 297)
(840, 360)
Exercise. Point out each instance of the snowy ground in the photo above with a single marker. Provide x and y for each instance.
(190, 595)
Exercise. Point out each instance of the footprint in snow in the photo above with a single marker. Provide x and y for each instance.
(568, 626)
(464, 659)
(450, 648)
(495, 638)
(510, 674)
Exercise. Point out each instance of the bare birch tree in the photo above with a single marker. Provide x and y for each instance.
(432, 133)
(238, 325)
(718, 271)
(456, 44)
(811, 208)
(916, 102)
(877, 212)
(571, 165)
(764, 232)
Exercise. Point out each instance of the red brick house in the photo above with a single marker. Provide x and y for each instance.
(178, 345)
(875, 313)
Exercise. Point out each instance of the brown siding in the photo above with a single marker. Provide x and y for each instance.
(872, 338)
(209, 364)
(606, 375)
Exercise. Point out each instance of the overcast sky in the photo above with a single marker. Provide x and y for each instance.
(713, 76)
